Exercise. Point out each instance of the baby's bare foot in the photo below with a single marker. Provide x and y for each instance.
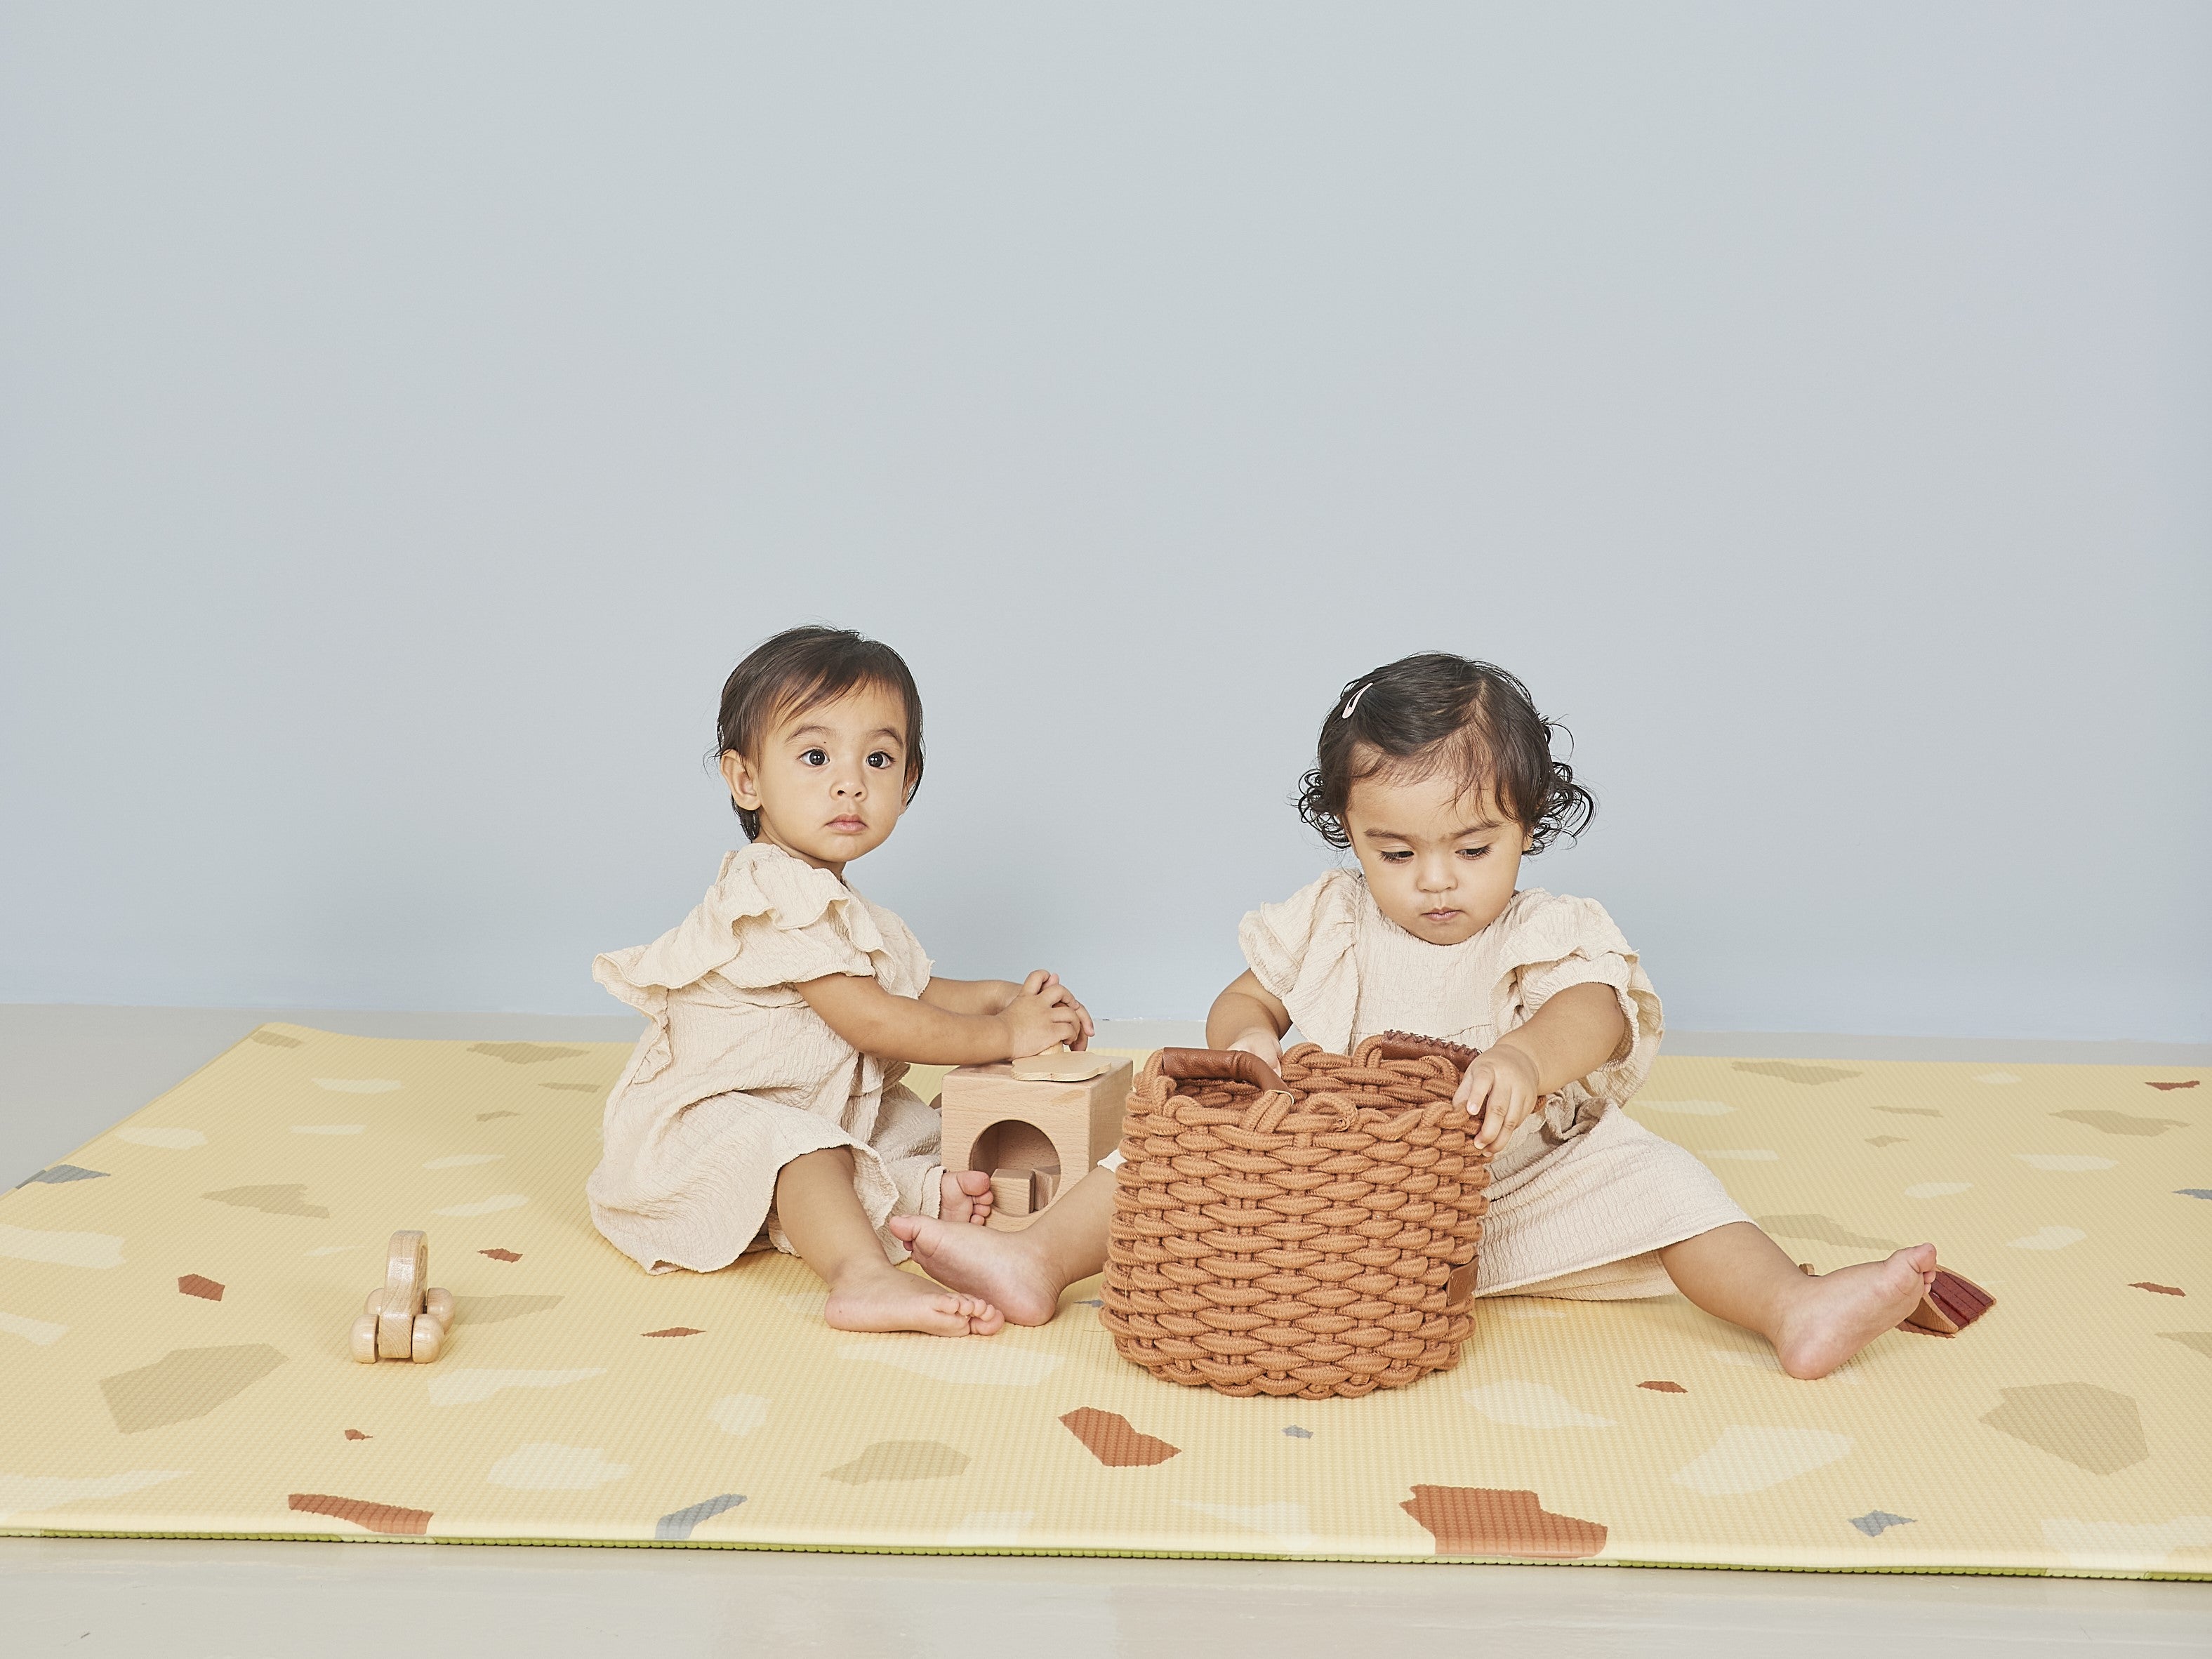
(997, 1267)
(1839, 1313)
(966, 1196)
(893, 1301)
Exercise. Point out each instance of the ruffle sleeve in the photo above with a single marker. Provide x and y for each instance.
(1302, 951)
(769, 920)
(1554, 942)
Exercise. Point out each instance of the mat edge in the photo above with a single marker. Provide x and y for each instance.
(768, 1547)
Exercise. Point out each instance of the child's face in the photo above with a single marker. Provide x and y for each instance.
(1441, 863)
(829, 784)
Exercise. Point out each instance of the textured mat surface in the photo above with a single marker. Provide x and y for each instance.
(174, 1300)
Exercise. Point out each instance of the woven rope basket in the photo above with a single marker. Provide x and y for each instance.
(1312, 1234)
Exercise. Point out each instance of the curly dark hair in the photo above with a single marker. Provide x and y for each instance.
(1424, 714)
(803, 668)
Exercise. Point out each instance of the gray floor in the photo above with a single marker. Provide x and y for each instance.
(132, 1597)
(68, 1073)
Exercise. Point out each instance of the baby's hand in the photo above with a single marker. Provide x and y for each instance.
(1262, 1042)
(1501, 1088)
(1044, 1013)
(1082, 1013)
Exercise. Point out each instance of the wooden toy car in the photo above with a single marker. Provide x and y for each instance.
(408, 1319)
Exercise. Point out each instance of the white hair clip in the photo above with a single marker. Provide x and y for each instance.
(1354, 701)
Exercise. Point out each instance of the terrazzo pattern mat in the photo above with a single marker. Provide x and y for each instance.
(175, 1298)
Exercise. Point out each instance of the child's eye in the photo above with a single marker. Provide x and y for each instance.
(814, 758)
(1474, 852)
(880, 760)
(1396, 855)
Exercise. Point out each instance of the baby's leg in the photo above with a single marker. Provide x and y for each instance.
(826, 1225)
(1023, 1273)
(1738, 1273)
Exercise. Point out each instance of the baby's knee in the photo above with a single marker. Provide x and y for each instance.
(824, 1164)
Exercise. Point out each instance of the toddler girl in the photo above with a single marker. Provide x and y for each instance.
(1436, 773)
(785, 1009)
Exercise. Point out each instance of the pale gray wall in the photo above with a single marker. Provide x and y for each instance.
(410, 414)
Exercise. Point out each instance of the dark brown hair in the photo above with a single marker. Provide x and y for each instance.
(803, 668)
(1422, 714)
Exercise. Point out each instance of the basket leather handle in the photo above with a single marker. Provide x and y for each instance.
(1220, 1066)
(1406, 1045)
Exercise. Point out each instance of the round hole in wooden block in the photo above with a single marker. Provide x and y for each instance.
(1013, 1144)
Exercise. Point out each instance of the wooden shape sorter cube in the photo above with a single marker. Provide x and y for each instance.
(1034, 1138)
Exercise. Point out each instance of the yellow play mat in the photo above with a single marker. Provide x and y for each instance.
(175, 1299)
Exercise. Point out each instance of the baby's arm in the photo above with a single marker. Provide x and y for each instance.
(995, 996)
(1576, 1031)
(1039, 1013)
(1246, 1016)
(971, 996)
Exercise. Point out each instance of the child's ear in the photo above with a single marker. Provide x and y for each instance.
(737, 773)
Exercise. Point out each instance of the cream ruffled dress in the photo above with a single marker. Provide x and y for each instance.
(1582, 1196)
(736, 1076)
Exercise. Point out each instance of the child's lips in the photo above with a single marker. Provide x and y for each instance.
(848, 826)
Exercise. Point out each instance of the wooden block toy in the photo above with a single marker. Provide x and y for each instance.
(1951, 1303)
(1044, 1134)
(1013, 1192)
(408, 1317)
(1060, 1065)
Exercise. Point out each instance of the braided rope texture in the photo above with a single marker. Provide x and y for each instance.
(1319, 1243)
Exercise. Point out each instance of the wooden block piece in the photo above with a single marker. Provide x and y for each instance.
(1012, 1191)
(1961, 1300)
(1060, 1065)
(1045, 1184)
(363, 1339)
(429, 1336)
(1951, 1305)
(438, 1302)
